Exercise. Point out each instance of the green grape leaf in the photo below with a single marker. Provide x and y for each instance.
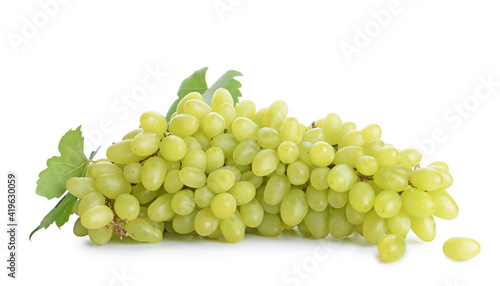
(197, 82)
(59, 214)
(72, 162)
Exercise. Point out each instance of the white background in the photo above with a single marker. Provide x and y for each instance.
(420, 63)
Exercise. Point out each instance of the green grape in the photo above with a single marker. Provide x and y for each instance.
(305, 152)
(276, 189)
(265, 162)
(197, 108)
(366, 165)
(243, 192)
(244, 129)
(314, 135)
(228, 112)
(298, 173)
(417, 203)
(205, 222)
(102, 168)
(153, 121)
(132, 173)
(154, 171)
(215, 159)
(161, 208)
(203, 196)
(216, 234)
(338, 225)
(447, 178)
(337, 199)
(361, 197)
(203, 140)
(184, 224)
(245, 152)
(317, 222)
(275, 114)
(322, 154)
(352, 138)
(291, 130)
(223, 205)
(173, 165)
(145, 143)
(213, 124)
(288, 152)
(233, 228)
(410, 157)
(391, 247)
(270, 225)
(75, 206)
(183, 202)
(353, 216)
(341, 178)
(358, 229)
(372, 146)
(79, 229)
(97, 217)
(427, 179)
(191, 143)
(439, 164)
(387, 204)
(192, 95)
(173, 148)
(390, 178)
(249, 176)
(446, 207)
(317, 199)
(319, 178)
(192, 177)
(90, 200)
(387, 156)
(227, 142)
(236, 172)
(348, 155)
(100, 236)
(112, 185)
(343, 129)
(399, 224)
(80, 186)
(127, 207)
(183, 125)
(156, 236)
(220, 180)
(143, 195)
(173, 183)
(424, 227)
(220, 97)
(259, 115)
(272, 209)
(140, 230)
(132, 133)
(121, 153)
(245, 108)
(374, 227)
(371, 132)
(195, 158)
(281, 169)
(268, 138)
(294, 207)
(252, 213)
(331, 124)
(303, 229)
(461, 248)
(143, 213)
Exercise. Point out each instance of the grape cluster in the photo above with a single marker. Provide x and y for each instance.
(224, 170)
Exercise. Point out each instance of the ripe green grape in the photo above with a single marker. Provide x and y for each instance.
(205, 222)
(317, 222)
(387, 204)
(195, 158)
(246, 108)
(189, 96)
(352, 138)
(446, 207)
(141, 230)
(371, 132)
(97, 217)
(288, 152)
(233, 227)
(132, 172)
(337, 199)
(361, 197)
(121, 153)
(154, 121)
(353, 216)
(294, 207)
(252, 213)
(275, 114)
(90, 200)
(183, 125)
(338, 224)
(427, 179)
(203, 196)
(223, 205)
(341, 178)
(366, 165)
(173, 183)
(197, 108)
(390, 178)
(276, 189)
(461, 248)
(417, 203)
(331, 124)
(244, 129)
(215, 159)
(79, 229)
(227, 142)
(348, 155)
(439, 164)
(317, 199)
(243, 192)
(265, 162)
(161, 208)
(410, 157)
(221, 180)
(399, 224)
(314, 135)
(184, 224)
(145, 143)
(153, 173)
(220, 97)
(268, 138)
(213, 124)
(322, 154)
(270, 226)
(183, 202)
(127, 207)
(374, 227)
(143, 195)
(372, 146)
(173, 148)
(131, 134)
(391, 247)
(245, 152)
(192, 177)
(387, 156)
(291, 130)
(319, 178)
(80, 186)
(298, 173)
(101, 168)
(228, 112)
(343, 129)
(112, 185)
(447, 178)
(424, 227)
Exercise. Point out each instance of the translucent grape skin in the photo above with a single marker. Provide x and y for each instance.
(461, 248)
(97, 217)
(223, 205)
(127, 207)
(391, 247)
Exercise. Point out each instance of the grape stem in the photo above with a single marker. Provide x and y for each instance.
(120, 231)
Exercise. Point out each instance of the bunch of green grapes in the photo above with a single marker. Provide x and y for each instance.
(225, 170)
